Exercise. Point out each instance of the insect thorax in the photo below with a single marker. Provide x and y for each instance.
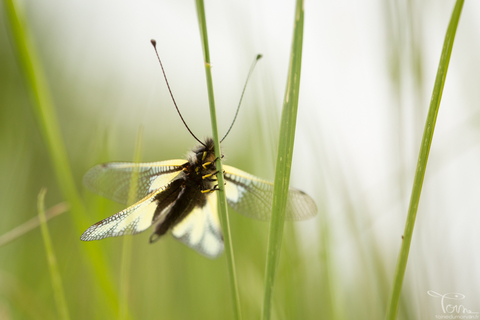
(200, 171)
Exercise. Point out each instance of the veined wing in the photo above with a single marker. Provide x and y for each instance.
(200, 230)
(252, 197)
(137, 217)
(132, 220)
(112, 180)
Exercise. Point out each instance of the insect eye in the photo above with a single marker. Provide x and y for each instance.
(201, 155)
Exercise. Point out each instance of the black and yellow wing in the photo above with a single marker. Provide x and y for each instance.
(112, 180)
(132, 220)
(252, 197)
(201, 229)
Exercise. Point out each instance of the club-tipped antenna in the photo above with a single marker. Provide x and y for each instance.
(258, 57)
(154, 43)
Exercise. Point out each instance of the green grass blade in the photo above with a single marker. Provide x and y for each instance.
(42, 105)
(44, 111)
(58, 292)
(222, 201)
(423, 158)
(127, 240)
(33, 223)
(284, 160)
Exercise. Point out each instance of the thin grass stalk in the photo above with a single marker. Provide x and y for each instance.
(423, 158)
(33, 223)
(44, 111)
(127, 241)
(123, 306)
(222, 201)
(58, 292)
(284, 160)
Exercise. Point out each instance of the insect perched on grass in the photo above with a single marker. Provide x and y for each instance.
(180, 195)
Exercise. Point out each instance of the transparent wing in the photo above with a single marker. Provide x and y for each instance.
(132, 220)
(252, 197)
(112, 180)
(200, 229)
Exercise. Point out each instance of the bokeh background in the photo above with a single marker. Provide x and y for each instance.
(368, 72)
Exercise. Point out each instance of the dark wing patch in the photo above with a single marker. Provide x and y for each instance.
(252, 197)
(112, 180)
(200, 229)
(138, 217)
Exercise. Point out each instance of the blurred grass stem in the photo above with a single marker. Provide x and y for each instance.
(33, 223)
(58, 292)
(44, 111)
(127, 240)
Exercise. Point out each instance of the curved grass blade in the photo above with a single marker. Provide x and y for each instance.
(44, 111)
(284, 160)
(58, 292)
(423, 158)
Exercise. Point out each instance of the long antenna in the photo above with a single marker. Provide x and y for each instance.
(258, 57)
(154, 43)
